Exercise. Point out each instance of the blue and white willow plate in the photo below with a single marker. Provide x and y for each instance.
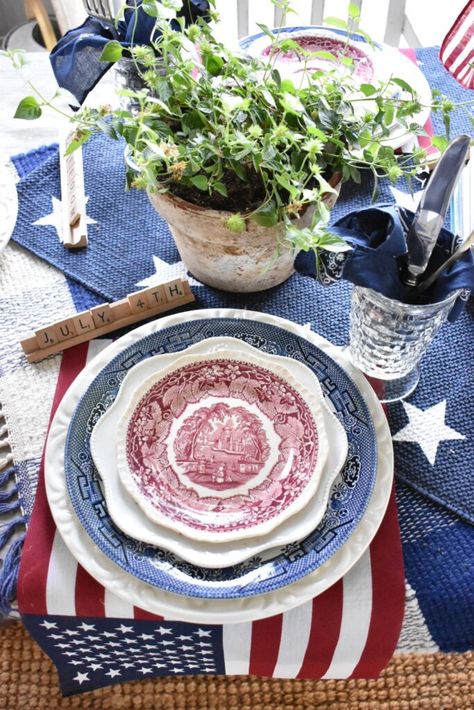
(348, 501)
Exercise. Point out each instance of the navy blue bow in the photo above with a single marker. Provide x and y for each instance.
(76, 57)
(378, 244)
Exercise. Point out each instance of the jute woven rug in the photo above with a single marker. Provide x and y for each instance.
(436, 682)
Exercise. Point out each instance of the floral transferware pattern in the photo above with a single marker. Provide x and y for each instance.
(219, 445)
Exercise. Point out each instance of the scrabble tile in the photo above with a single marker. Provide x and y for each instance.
(155, 296)
(83, 323)
(46, 337)
(101, 315)
(173, 290)
(138, 302)
(65, 329)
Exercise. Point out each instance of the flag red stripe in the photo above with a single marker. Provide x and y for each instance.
(388, 596)
(34, 563)
(324, 634)
(265, 644)
(143, 615)
(89, 595)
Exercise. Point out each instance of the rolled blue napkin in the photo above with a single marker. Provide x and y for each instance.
(377, 244)
(75, 59)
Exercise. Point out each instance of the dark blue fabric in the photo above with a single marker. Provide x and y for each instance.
(378, 245)
(439, 565)
(76, 57)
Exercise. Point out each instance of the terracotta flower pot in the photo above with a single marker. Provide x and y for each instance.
(239, 262)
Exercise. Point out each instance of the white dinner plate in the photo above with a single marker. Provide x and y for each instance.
(129, 517)
(205, 610)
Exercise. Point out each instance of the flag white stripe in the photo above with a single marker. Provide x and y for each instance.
(237, 641)
(96, 346)
(356, 615)
(295, 632)
(61, 580)
(116, 607)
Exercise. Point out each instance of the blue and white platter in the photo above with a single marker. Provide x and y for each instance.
(262, 574)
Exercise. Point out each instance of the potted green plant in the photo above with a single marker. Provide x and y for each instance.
(243, 163)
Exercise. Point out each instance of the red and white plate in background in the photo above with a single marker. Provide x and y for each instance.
(371, 64)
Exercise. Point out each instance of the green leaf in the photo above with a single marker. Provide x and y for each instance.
(439, 142)
(347, 61)
(193, 120)
(267, 216)
(288, 87)
(200, 181)
(213, 64)
(322, 54)
(220, 188)
(76, 143)
(266, 30)
(354, 11)
(112, 52)
(368, 89)
(149, 6)
(403, 85)
(388, 115)
(335, 22)
(284, 182)
(292, 104)
(28, 108)
(332, 242)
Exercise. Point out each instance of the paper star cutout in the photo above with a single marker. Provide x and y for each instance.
(49, 625)
(427, 428)
(55, 218)
(167, 272)
(81, 678)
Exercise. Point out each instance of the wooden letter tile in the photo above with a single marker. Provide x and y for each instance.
(47, 337)
(155, 296)
(138, 302)
(101, 315)
(83, 323)
(173, 290)
(65, 329)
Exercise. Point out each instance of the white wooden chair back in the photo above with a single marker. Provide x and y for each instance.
(385, 20)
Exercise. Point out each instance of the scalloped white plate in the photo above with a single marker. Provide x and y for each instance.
(128, 516)
(221, 446)
(199, 610)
